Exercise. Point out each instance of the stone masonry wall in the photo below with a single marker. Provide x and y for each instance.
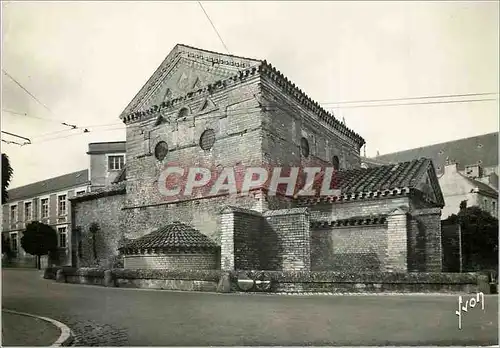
(107, 213)
(171, 261)
(429, 227)
(247, 240)
(235, 118)
(345, 210)
(286, 122)
(286, 240)
(202, 214)
(349, 249)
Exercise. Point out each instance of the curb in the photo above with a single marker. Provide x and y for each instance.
(64, 339)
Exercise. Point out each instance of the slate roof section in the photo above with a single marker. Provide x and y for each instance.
(481, 187)
(482, 149)
(59, 183)
(392, 179)
(107, 147)
(174, 237)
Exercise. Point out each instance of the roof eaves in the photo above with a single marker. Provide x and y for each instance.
(304, 99)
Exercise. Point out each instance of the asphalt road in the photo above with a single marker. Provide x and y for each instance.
(110, 316)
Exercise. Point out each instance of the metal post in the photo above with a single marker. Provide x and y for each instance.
(460, 244)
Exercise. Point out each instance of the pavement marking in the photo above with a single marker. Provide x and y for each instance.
(64, 339)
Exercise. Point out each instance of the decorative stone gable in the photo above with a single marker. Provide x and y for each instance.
(184, 70)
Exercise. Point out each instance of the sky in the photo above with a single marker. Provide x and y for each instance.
(85, 61)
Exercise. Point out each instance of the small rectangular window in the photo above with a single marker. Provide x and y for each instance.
(116, 162)
(13, 242)
(61, 205)
(44, 208)
(28, 211)
(62, 232)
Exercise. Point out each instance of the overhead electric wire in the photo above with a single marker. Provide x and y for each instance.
(403, 104)
(410, 98)
(213, 26)
(36, 99)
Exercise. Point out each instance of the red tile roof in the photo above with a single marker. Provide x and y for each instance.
(176, 236)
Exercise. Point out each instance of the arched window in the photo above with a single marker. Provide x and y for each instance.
(336, 163)
(304, 147)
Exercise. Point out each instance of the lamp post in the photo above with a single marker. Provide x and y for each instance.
(460, 243)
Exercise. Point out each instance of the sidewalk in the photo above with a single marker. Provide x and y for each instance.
(21, 330)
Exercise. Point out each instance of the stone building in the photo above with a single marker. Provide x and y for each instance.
(203, 108)
(48, 201)
(467, 170)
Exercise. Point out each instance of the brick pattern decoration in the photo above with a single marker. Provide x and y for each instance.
(425, 240)
(247, 240)
(349, 249)
(203, 215)
(107, 213)
(286, 241)
(397, 242)
(171, 261)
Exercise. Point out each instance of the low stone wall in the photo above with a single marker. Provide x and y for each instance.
(274, 281)
(145, 279)
(375, 282)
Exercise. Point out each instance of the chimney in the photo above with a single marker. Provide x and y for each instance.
(474, 171)
(450, 167)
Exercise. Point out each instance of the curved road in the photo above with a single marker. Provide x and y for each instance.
(111, 316)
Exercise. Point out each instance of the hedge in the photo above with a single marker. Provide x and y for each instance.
(371, 277)
(205, 275)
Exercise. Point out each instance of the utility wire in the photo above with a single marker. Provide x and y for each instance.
(213, 26)
(12, 142)
(410, 98)
(17, 136)
(403, 104)
(35, 98)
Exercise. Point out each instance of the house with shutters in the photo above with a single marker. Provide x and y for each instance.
(48, 201)
(203, 108)
(467, 170)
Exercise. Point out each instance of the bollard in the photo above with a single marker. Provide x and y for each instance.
(224, 283)
(60, 278)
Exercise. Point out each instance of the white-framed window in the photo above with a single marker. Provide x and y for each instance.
(28, 211)
(62, 234)
(494, 208)
(13, 215)
(61, 205)
(44, 208)
(13, 242)
(116, 162)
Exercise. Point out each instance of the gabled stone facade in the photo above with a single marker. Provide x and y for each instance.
(254, 116)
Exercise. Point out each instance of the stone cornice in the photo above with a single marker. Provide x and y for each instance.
(355, 196)
(235, 62)
(170, 105)
(353, 221)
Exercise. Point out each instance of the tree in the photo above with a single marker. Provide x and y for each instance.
(6, 249)
(39, 239)
(479, 237)
(6, 177)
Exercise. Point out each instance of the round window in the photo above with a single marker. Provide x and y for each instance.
(304, 147)
(207, 139)
(161, 150)
(183, 112)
